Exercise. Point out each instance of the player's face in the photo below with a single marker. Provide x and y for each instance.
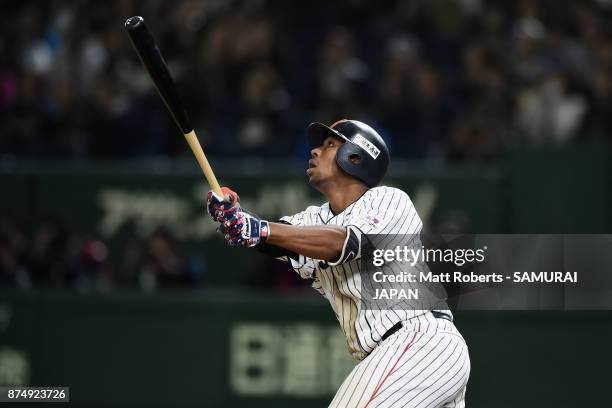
(322, 167)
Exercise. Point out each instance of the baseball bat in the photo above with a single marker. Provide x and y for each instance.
(151, 58)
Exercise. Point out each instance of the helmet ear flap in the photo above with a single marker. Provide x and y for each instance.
(349, 159)
(355, 158)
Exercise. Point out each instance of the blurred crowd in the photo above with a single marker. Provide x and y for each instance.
(54, 254)
(442, 79)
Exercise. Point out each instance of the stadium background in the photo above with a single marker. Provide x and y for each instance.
(498, 115)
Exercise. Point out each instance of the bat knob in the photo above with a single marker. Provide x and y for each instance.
(134, 22)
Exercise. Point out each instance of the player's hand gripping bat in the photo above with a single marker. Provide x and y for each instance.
(158, 71)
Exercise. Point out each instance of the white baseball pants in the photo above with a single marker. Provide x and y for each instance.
(424, 364)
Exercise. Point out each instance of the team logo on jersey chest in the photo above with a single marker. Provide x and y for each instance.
(372, 220)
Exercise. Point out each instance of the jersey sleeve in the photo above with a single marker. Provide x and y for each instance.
(302, 218)
(281, 254)
(303, 265)
(386, 211)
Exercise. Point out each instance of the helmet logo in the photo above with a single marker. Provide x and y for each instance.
(366, 145)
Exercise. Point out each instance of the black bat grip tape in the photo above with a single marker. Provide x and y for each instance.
(153, 61)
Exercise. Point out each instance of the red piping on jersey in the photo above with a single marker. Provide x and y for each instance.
(394, 365)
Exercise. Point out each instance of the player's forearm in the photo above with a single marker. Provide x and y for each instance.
(321, 242)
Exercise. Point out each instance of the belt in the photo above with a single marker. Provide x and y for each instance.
(398, 325)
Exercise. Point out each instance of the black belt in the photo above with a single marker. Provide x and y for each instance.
(398, 325)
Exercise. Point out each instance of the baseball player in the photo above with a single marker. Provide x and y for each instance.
(407, 357)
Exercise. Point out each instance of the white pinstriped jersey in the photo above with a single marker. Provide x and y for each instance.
(381, 210)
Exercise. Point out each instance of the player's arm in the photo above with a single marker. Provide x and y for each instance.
(241, 228)
(320, 242)
(317, 242)
(334, 244)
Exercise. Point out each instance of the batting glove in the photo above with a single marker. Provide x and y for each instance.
(244, 229)
(222, 208)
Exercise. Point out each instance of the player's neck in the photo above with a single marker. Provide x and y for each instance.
(341, 197)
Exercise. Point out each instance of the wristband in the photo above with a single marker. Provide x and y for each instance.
(264, 230)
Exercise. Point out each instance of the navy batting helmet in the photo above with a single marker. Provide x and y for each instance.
(364, 155)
